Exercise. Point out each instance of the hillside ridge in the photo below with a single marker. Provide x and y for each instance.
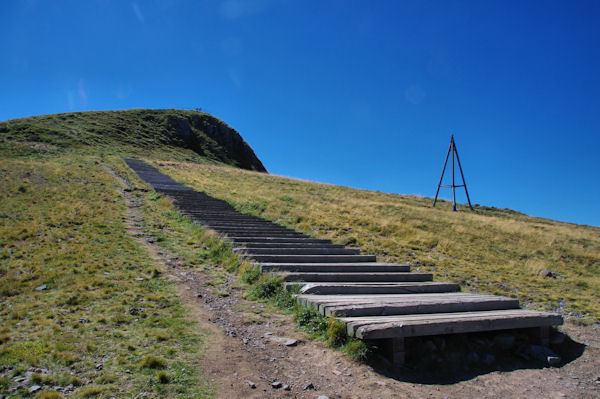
(162, 132)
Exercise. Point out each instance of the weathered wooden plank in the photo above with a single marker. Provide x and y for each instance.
(361, 277)
(446, 323)
(375, 288)
(377, 305)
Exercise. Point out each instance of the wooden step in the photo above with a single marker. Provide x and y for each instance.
(373, 288)
(311, 258)
(298, 251)
(382, 305)
(291, 245)
(381, 327)
(370, 267)
(245, 240)
(357, 277)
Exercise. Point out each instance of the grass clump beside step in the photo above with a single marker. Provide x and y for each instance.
(78, 295)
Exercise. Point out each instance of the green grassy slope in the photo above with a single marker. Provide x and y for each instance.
(108, 322)
(162, 134)
(489, 250)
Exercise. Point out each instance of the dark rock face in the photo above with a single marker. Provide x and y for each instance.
(202, 131)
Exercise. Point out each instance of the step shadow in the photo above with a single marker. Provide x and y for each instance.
(443, 360)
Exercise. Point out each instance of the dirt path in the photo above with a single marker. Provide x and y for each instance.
(242, 360)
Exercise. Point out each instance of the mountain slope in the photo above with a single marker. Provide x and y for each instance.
(163, 134)
(488, 250)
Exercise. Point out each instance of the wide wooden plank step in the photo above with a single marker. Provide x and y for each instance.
(357, 277)
(382, 305)
(290, 245)
(282, 234)
(243, 240)
(298, 251)
(380, 327)
(335, 267)
(311, 258)
(373, 288)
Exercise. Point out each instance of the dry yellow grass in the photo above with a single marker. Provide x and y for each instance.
(489, 250)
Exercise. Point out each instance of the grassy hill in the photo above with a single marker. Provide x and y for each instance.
(161, 134)
(489, 250)
(84, 305)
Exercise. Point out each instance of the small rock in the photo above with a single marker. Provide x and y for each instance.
(276, 384)
(286, 387)
(139, 279)
(34, 388)
(136, 311)
(99, 367)
(323, 397)
(41, 287)
(199, 295)
(150, 240)
(547, 273)
(336, 372)
(251, 384)
(20, 379)
(309, 386)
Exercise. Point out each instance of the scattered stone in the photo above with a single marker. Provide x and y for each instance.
(281, 340)
(309, 386)
(99, 367)
(286, 387)
(251, 384)
(136, 311)
(323, 397)
(34, 388)
(139, 279)
(547, 273)
(20, 379)
(504, 341)
(276, 384)
(150, 240)
(336, 372)
(41, 287)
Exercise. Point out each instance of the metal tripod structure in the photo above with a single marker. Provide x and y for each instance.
(453, 186)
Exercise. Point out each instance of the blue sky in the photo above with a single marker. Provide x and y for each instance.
(357, 93)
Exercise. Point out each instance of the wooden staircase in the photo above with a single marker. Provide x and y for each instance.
(375, 300)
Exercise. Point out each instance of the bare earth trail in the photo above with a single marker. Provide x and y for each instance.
(240, 359)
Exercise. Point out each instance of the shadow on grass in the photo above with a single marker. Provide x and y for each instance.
(442, 360)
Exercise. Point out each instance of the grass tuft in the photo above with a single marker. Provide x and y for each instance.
(153, 362)
(163, 378)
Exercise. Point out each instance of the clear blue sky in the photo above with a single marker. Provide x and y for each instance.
(357, 93)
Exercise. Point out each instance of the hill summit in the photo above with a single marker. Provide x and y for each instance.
(167, 134)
